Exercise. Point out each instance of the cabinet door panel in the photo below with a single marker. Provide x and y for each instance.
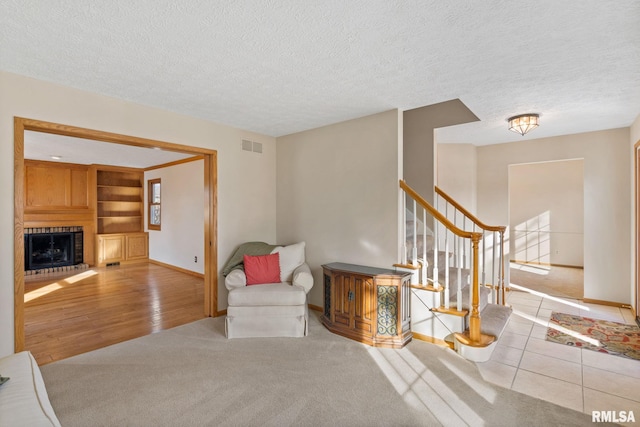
(364, 309)
(79, 188)
(137, 246)
(46, 186)
(111, 248)
(341, 289)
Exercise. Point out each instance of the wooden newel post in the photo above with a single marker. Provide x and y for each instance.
(502, 266)
(474, 319)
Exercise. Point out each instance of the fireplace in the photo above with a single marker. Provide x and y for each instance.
(52, 247)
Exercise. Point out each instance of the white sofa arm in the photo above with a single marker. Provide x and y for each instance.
(235, 279)
(23, 399)
(302, 277)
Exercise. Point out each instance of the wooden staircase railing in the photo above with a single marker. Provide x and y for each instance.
(493, 255)
(462, 239)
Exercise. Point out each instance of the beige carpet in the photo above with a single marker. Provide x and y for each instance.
(564, 282)
(193, 376)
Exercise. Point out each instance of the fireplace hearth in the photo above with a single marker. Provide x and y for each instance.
(52, 247)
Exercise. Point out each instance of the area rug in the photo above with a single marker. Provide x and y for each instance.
(598, 335)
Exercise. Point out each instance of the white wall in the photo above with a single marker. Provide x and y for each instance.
(546, 212)
(246, 180)
(338, 192)
(180, 238)
(607, 181)
(457, 164)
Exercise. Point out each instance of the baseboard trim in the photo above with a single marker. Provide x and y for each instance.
(546, 264)
(602, 302)
(173, 267)
(220, 313)
(315, 307)
(432, 340)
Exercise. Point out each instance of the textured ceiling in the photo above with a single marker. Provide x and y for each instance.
(283, 66)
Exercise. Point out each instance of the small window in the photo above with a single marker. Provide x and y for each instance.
(154, 204)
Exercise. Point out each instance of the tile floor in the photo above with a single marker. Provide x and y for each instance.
(583, 380)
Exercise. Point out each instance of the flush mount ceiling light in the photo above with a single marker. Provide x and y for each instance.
(523, 123)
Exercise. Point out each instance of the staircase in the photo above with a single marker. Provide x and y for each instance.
(457, 265)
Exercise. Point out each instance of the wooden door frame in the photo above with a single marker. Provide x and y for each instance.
(210, 207)
(636, 168)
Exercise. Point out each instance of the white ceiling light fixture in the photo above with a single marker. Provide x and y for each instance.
(56, 157)
(523, 123)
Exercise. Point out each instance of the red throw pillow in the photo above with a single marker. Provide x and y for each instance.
(262, 269)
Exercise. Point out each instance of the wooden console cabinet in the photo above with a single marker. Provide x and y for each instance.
(367, 304)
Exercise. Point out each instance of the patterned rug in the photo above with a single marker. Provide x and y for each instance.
(598, 335)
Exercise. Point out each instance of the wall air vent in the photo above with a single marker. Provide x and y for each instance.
(247, 145)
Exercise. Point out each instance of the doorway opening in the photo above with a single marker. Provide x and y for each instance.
(210, 206)
(546, 225)
(636, 150)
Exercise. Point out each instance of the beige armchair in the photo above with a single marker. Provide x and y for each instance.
(273, 309)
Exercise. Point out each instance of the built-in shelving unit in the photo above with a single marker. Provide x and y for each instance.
(120, 201)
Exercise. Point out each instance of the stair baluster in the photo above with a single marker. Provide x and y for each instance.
(425, 262)
(458, 255)
(482, 257)
(501, 281)
(446, 269)
(436, 254)
(414, 249)
(404, 229)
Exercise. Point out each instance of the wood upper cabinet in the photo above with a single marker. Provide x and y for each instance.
(367, 304)
(50, 185)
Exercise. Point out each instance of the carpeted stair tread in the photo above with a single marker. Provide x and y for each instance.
(494, 318)
(453, 276)
(484, 298)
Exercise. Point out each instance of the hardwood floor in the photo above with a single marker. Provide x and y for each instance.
(104, 306)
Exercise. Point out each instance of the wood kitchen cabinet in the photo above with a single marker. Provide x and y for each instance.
(367, 304)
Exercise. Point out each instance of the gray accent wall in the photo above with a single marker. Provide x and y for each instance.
(419, 145)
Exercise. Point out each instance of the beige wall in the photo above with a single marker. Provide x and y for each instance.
(607, 180)
(338, 192)
(180, 237)
(456, 169)
(546, 212)
(246, 184)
